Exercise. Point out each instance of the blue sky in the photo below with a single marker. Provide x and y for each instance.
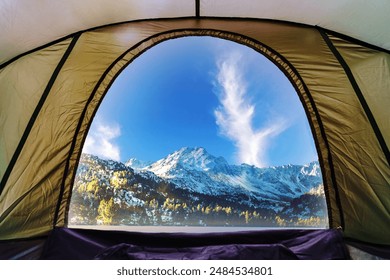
(202, 92)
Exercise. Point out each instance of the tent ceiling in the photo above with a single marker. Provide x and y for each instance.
(27, 24)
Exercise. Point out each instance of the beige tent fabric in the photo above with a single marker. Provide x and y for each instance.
(371, 69)
(29, 76)
(49, 20)
(28, 24)
(43, 174)
(61, 85)
(363, 20)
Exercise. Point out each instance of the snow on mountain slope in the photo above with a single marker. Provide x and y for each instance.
(197, 170)
(192, 187)
(136, 163)
(196, 159)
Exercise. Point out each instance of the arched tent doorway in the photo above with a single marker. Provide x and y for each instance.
(173, 119)
(38, 168)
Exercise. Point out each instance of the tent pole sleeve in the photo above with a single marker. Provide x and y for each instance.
(359, 94)
(36, 113)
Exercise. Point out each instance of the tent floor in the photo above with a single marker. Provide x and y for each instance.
(76, 244)
(65, 243)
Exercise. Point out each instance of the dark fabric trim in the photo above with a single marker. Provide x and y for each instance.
(322, 132)
(320, 125)
(183, 18)
(359, 95)
(197, 8)
(77, 131)
(330, 164)
(71, 151)
(5, 64)
(329, 161)
(318, 118)
(353, 40)
(36, 112)
(243, 38)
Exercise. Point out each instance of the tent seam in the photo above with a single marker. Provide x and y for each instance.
(82, 116)
(353, 40)
(359, 95)
(36, 112)
(197, 8)
(347, 37)
(241, 41)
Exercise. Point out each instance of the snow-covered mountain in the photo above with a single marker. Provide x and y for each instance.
(192, 187)
(137, 164)
(197, 159)
(196, 170)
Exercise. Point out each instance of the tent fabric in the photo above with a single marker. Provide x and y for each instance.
(52, 81)
(370, 68)
(125, 251)
(82, 244)
(49, 20)
(367, 250)
(25, 249)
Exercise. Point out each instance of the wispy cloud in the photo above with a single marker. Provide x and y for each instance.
(235, 115)
(101, 140)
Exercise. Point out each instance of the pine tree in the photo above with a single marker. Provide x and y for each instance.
(247, 217)
(105, 211)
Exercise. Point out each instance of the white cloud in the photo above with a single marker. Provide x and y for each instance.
(101, 140)
(235, 115)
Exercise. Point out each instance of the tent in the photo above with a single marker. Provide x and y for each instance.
(59, 58)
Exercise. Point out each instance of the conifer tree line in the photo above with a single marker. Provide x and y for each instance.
(118, 196)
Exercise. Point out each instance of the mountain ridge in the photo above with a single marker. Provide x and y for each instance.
(192, 187)
(199, 171)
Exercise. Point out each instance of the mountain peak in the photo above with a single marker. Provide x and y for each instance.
(190, 159)
(187, 153)
(196, 170)
(191, 151)
(136, 163)
(312, 169)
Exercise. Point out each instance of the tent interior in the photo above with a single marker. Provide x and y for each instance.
(59, 58)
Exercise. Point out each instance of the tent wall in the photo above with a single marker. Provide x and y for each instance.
(21, 87)
(41, 154)
(49, 20)
(371, 70)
